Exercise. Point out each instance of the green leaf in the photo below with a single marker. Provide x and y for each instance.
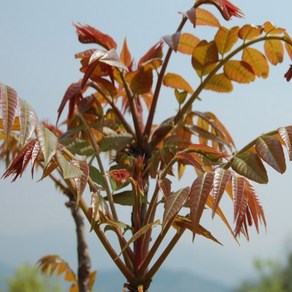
(99, 209)
(286, 135)
(219, 83)
(69, 170)
(48, 142)
(96, 176)
(199, 193)
(139, 233)
(77, 146)
(114, 141)
(125, 198)
(270, 150)
(174, 203)
(8, 103)
(180, 96)
(250, 165)
(239, 71)
(28, 121)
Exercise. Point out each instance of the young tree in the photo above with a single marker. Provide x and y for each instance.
(111, 114)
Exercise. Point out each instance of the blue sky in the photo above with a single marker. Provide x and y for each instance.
(38, 43)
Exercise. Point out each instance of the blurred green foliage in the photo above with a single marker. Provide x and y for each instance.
(27, 278)
(273, 276)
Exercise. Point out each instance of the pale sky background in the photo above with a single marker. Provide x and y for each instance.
(38, 43)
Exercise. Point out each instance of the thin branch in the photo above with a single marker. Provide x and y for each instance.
(152, 110)
(134, 114)
(115, 109)
(203, 84)
(100, 165)
(164, 255)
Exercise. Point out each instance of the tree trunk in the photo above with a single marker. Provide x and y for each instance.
(84, 263)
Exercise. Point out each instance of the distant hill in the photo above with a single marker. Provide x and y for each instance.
(166, 280)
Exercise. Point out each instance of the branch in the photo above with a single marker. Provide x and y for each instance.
(152, 110)
(84, 263)
(115, 109)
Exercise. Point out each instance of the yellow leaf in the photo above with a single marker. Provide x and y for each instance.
(204, 17)
(249, 32)
(69, 276)
(274, 51)
(257, 61)
(270, 29)
(187, 43)
(288, 47)
(219, 83)
(177, 82)
(15, 125)
(239, 71)
(73, 288)
(226, 38)
(204, 57)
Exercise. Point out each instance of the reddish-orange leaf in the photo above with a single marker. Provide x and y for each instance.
(165, 186)
(204, 57)
(239, 198)
(140, 80)
(174, 203)
(255, 207)
(172, 40)
(154, 52)
(250, 32)
(225, 39)
(250, 165)
(205, 17)
(274, 51)
(88, 34)
(72, 95)
(199, 193)
(119, 175)
(286, 135)
(125, 54)
(176, 81)
(270, 150)
(288, 74)
(219, 83)
(191, 159)
(187, 43)
(28, 153)
(257, 61)
(221, 178)
(185, 222)
(8, 104)
(239, 71)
